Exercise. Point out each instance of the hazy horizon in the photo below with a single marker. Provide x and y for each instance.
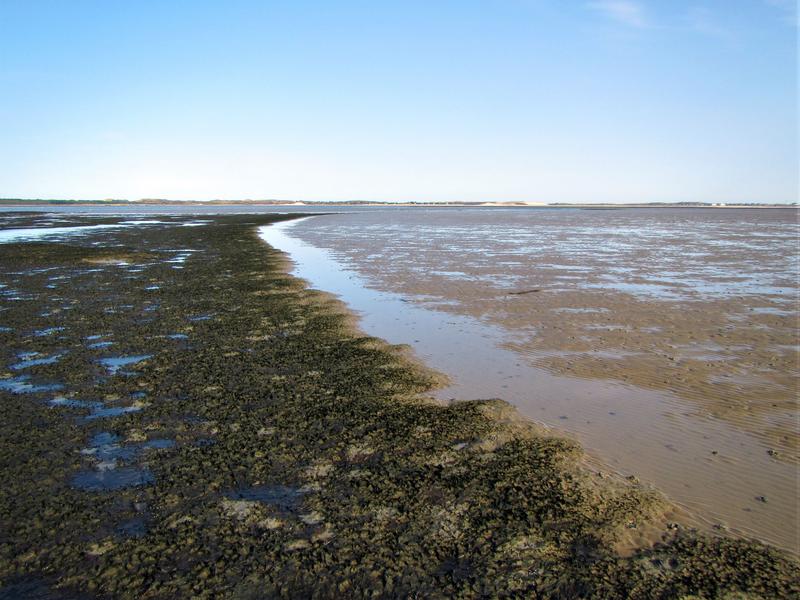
(362, 200)
(604, 101)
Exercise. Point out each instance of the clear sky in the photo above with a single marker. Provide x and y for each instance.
(538, 100)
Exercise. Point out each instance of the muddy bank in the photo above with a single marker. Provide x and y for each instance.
(703, 304)
(191, 421)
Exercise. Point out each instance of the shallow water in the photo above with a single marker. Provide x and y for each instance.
(35, 589)
(104, 447)
(99, 345)
(28, 360)
(35, 233)
(282, 497)
(111, 479)
(62, 401)
(97, 410)
(114, 364)
(106, 451)
(23, 385)
(197, 318)
(440, 281)
(47, 331)
(104, 412)
(134, 528)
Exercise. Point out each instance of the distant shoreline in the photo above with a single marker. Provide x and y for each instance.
(10, 202)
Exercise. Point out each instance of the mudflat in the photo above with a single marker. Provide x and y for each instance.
(182, 418)
(665, 340)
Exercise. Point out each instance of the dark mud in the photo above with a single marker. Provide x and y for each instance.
(275, 452)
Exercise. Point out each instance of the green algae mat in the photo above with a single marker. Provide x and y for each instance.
(182, 419)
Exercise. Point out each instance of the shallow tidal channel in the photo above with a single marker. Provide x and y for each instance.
(725, 477)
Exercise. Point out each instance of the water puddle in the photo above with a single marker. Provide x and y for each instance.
(62, 401)
(158, 444)
(98, 345)
(104, 448)
(28, 361)
(285, 499)
(107, 454)
(47, 331)
(114, 364)
(769, 310)
(105, 412)
(97, 410)
(29, 588)
(180, 257)
(134, 528)
(207, 317)
(143, 222)
(8, 236)
(647, 290)
(111, 479)
(22, 385)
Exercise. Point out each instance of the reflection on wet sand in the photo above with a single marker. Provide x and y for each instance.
(664, 340)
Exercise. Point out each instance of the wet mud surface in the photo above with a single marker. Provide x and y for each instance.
(666, 341)
(704, 303)
(211, 428)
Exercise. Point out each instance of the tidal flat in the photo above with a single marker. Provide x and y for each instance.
(665, 341)
(257, 445)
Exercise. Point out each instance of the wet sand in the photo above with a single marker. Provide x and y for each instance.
(666, 341)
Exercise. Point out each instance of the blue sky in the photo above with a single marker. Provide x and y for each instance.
(549, 101)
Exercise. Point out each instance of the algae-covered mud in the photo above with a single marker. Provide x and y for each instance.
(181, 418)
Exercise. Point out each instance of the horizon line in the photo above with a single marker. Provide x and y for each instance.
(276, 201)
